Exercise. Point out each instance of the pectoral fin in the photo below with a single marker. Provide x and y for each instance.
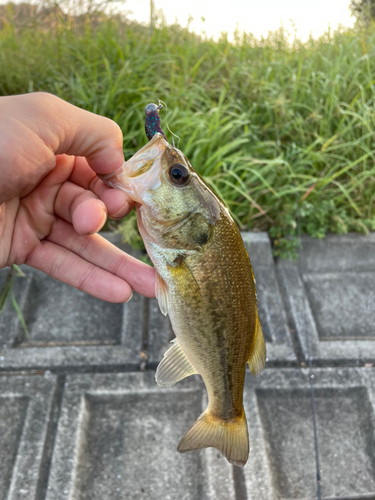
(174, 366)
(257, 358)
(161, 292)
(184, 278)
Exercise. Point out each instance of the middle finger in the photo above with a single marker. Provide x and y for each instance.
(117, 202)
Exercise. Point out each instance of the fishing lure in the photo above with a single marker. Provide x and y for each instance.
(152, 122)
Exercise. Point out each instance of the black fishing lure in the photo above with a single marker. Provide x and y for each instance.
(152, 122)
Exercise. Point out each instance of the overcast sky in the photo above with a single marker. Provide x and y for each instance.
(255, 16)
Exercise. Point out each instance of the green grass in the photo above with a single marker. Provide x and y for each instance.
(7, 292)
(273, 127)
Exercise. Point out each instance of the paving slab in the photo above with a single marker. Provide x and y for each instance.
(25, 412)
(272, 314)
(117, 438)
(49, 303)
(330, 297)
(68, 329)
(118, 433)
(282, 462)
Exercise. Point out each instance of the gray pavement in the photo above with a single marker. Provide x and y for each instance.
(330, 296)
(81, 417)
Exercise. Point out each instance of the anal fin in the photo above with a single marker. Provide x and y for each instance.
(174, 366)
(257, 358)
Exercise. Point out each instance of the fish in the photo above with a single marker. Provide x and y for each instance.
(205, 283)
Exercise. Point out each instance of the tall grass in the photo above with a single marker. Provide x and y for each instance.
(271, 125)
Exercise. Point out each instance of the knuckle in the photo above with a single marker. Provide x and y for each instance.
(44, 100)
(84, 280)
(82, 244)
(121, 266)
(58, 264)
(94, 184)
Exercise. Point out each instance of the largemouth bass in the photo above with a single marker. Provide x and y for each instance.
(205, 283)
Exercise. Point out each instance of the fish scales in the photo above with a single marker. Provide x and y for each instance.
(213, 338)
(206, 285)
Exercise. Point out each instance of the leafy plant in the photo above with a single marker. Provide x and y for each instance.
(8, 292)
(271, 124)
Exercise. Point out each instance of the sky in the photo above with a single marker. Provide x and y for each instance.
(255, 16)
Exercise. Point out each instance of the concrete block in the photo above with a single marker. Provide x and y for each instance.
(271, 310)
(25, 412)
(330, 296)
(70, 330)
(117, 438)
(346, 252)
(282, 460)
(118, 433)
(124, 356)
(58, 314)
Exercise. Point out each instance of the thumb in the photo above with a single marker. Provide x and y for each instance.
(81, 133)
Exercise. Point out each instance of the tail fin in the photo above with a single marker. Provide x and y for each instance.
(228, 436)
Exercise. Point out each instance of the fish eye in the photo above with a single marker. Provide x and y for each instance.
(179, 174)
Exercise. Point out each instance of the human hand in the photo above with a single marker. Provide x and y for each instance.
(51, 201)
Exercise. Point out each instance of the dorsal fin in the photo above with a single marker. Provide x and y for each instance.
(174, 366)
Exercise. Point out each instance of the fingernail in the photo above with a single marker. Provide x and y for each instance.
(102, 222)
(130, 298)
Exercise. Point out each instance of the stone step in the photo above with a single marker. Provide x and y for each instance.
(278, 408)
(67, 330)
(117, 437)
(26, 404)
(330, 297)
(80, 436)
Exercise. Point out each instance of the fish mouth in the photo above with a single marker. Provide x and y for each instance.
(142, 169)
(143, 159)
(141, 172)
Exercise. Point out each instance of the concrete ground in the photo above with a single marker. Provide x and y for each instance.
(81, 417)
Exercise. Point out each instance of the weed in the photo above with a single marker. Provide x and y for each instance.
(265, 122)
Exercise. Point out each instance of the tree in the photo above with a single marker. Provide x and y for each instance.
(363, 10)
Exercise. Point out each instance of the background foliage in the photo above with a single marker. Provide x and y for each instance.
(363, 10)
(278, 128)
